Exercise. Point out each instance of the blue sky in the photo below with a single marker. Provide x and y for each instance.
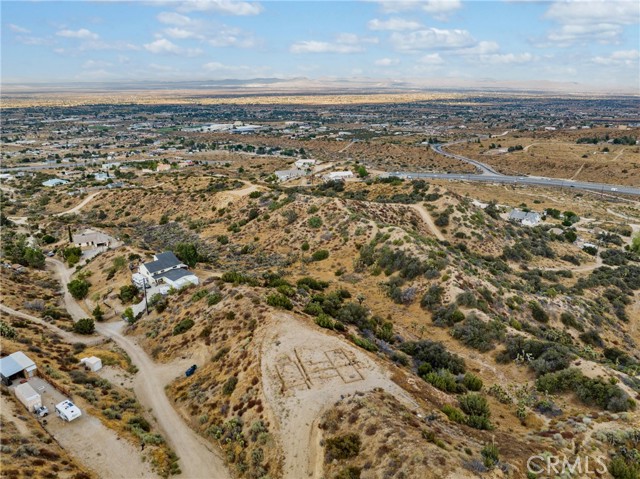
(593, 42)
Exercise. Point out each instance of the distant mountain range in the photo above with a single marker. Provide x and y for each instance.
(302, 85)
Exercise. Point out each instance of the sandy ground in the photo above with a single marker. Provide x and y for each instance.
(304, 372)
(230, 196)
(197, 459)
(94, 445)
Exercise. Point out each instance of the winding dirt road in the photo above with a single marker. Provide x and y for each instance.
(80, 205)
(197, 459)
(67, 337)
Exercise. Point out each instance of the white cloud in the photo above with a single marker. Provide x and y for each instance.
(431, 59)
(481, 48)
(620, 57)
(593, 20)
(93, 64)
(312, 46)
(386, 62)
(17, 28)
(82, 34)
(215, 34)
(173, 18)
(228, 7)
(581, 12)
(167, 47)
(440, 9)
(506, 58)
(432, 38)
(393, 24)
(344, 43)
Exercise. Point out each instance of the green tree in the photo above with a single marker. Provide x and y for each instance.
(84, 326)
(128, 293)
(635, 243)
(78, 288)
(129, 316)
(187, 253)
(98, 314)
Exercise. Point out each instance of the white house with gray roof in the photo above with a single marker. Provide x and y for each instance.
(167, 268)
(525, 218)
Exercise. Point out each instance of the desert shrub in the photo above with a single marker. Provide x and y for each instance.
(183, 326)
(478, 334)
(467, 299)
(538, 313)
(354, 313)
(434, 354)
(570, 320)
(320, 255)
(447, 315)
(278, 300)
(454, 414)
(97, 313)
(311, 283)
(349, 472)
(592, 338)
(238, 278)
(72, 255)
(7, 331)
(314, 222)
(477, 410)
(364, 343)
(472, 382)
(140, 423)
(229, 386)
(622, 467)
(542, 356)
(222, 352)
(433, 297)
(84, 326)
(591, 391)
(79, 288)
(342, 447)
(128, 293)
(444, 380)
(490, 455)
(213, 298)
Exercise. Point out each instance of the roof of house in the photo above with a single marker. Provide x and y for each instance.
(14, 363)
(163, 261)
(524, 215)
(9, 366)
(91, 238)
(176, 274)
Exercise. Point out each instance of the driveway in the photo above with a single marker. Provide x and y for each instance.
(197, 459)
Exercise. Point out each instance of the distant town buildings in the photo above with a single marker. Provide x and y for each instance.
(54, 182)
(338, 175)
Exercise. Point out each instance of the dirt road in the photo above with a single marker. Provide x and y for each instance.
(80, 205)
(197, 459)
(66, 336)
(426, 217)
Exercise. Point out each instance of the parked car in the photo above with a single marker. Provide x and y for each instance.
(41, 411)
(190, 371)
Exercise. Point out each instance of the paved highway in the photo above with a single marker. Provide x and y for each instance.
(524, 180)
(483, 168)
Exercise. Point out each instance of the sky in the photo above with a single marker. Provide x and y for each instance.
(591, 42)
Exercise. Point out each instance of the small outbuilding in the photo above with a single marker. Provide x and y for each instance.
(16, 366)
(92, 363)
(68, 411)
(28, 396)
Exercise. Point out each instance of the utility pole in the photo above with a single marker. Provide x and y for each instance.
(144, 287)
